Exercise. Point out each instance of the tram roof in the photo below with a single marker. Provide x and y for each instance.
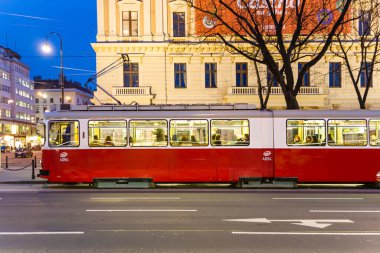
(198, 111)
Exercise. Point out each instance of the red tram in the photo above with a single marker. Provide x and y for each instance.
(210, 144)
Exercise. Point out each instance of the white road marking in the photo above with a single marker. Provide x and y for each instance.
(307, 233)
(301, 222)
(344, 211)
(18, 190)
(44, 233)
(318, 198)
(138, 198)
(142, 210)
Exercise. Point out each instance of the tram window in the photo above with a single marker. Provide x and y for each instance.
(148, 133)
(347, 133)
(230, 133)
(108, 133)
(374, 132)
(188, 133)
(64, 133)
(305, 132)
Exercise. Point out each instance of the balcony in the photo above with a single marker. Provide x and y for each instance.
(141, 95)
(312, 96)
(254, 90)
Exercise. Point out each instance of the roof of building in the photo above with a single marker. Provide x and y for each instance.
(9, 53)
(46, 84)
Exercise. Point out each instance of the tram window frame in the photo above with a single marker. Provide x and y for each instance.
(60, 145)
(334, 143)
(102, 142)
(372, 141)
(189, 143)
(234, 143)
(148, 146)
(304, 143)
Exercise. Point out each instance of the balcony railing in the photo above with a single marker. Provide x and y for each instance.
(242, 90)
(131, 91)
(253, 90)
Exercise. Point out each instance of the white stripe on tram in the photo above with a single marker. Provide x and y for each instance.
(141, 210)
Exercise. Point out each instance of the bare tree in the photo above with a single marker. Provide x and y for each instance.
(363, 44)
(262, 89)
(282, 31)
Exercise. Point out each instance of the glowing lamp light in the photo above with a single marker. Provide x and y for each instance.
(46, 48)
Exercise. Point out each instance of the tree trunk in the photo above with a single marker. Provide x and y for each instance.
(291, 101)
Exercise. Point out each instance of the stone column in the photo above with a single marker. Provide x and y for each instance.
(159, 19)
(112, 19)
(147, 20)
(100, 17)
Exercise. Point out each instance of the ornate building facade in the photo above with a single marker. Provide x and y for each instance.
(169, 65)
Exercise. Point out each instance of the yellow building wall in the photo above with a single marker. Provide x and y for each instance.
(157, 54)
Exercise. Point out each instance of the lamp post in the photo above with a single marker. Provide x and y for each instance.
(47, 49)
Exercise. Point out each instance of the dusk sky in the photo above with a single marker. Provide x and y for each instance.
(24, 25)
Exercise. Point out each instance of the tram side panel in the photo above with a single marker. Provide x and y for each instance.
(356, 165)
(191, 165)
(214, 164)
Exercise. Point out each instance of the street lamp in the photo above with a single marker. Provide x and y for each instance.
(47, 49)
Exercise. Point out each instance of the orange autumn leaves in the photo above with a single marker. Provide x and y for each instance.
(259, 16)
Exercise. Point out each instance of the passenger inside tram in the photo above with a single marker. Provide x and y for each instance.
(184, 140)
(96, 142)
(217, 141)
(374, 140)
(297, 139)
(108, 141)
(309, 140)
(330, 139)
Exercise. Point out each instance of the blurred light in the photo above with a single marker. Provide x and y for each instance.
(14, 129)
(41, 94)
(10, 101)
(8, 138)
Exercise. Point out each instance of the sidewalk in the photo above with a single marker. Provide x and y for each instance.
(19, 170)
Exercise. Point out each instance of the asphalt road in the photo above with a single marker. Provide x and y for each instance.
(37, 219)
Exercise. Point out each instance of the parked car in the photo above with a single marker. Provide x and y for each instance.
(23, 152)
(5, 149)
